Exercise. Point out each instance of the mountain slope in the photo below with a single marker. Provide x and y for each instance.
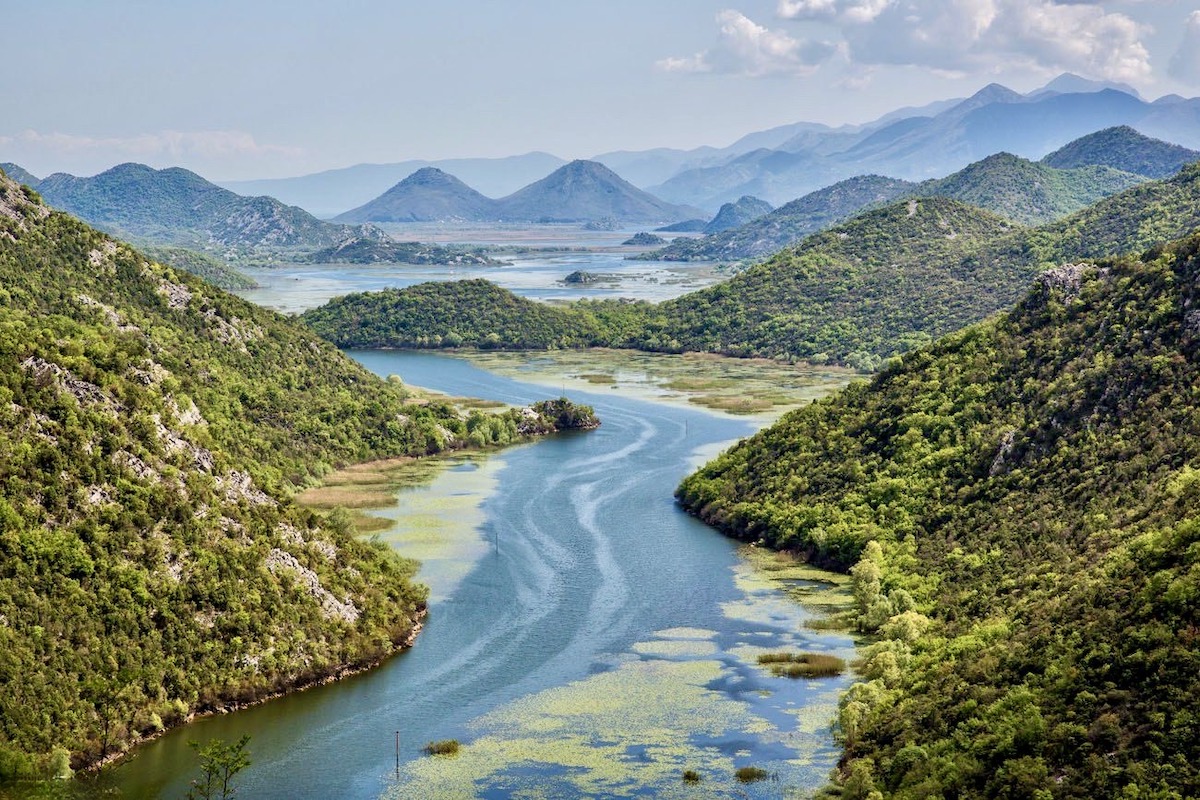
(175, 206)
(587, 191)
(1125, 149)
(1026, 192)
(428, 195)
(737, 214)
(788, 223)
(1019, 504)
(875, 285)
(152, 431)
(19, 174)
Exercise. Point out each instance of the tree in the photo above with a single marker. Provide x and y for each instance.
(220, 762)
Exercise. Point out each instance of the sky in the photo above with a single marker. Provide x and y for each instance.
(272, 88)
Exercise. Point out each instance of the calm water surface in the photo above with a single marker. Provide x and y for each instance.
(591, 640)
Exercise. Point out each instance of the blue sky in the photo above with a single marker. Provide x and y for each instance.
(265, 89)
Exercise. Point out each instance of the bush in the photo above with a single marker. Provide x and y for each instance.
(444, 747)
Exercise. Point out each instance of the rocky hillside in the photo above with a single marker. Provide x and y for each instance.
(152, 431)
(177, 207)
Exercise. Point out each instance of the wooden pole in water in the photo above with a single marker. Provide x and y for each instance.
(397, 755)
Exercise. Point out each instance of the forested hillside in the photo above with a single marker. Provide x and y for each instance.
(856, 294)
(152, 430)
(1018, 506)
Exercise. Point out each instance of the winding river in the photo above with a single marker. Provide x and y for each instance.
(586, 637)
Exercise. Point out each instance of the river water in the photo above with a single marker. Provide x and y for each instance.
(586, 638)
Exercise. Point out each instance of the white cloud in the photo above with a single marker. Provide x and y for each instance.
(1185, 64)
(747, 48)
(968, 35)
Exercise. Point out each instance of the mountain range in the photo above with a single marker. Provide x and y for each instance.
(877, 285)
(581, 191)
(329, 193)
(1080, 173)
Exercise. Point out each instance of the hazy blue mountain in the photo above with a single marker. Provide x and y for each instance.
(586, 191)
(995, 119)
(1125, 149)
(1070, 83)
(175, 206)
(737, 214)
(331, 192)
(428, 195)
(20, 174)
(650, 167)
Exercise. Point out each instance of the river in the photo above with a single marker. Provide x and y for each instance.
(586, 638)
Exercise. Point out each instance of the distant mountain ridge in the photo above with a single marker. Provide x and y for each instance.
(581, 191)
(177, 207)
(737, 214)
(993, 120)
(332, 192)
(1013, 187)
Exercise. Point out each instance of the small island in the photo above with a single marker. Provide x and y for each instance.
(644, 239)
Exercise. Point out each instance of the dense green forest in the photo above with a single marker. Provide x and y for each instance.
(202, 265)
(153, 430)
(1018, 506)
(857, 294)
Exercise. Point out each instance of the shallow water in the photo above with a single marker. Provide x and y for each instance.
(555, 252)
(587, 637)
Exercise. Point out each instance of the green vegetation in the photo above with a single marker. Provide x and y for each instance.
(220, 763)
(177, 207)
(1017, 505)
(153, 562)
(474, 313)
(788, 224)
(736, 214)
(442, 747)
(802, 665)
(691, 776)
(202, 265)
(1028, 193)
(1125, 149)
(368, 250)
(858, 294)
(751, 774)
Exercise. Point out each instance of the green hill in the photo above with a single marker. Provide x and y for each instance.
(1125, 149)
(787, 224)
(177, 207)
(1018, 503)
(152, 432)
(1029, 193)
(474, 313)
(427, 195)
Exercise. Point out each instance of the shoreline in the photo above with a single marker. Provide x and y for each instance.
(341, 672)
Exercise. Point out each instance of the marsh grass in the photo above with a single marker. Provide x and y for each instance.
(597, 377)
(802, 665)
(442, 747)
(751, 774)
(691, 776)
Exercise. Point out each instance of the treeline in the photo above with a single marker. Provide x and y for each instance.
(1018, 506)
(877, 286)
